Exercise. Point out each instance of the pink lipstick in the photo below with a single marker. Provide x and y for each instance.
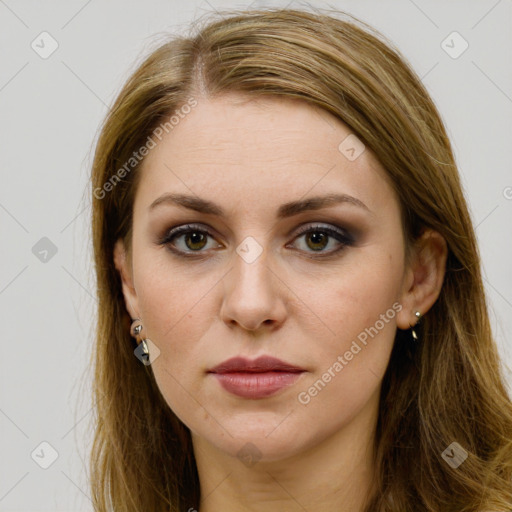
(259, 378)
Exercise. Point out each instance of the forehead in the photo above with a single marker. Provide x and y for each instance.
(271, 147)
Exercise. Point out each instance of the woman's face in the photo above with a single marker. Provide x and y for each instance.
(317, 286)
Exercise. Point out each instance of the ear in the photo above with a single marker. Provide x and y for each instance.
(123, 265)
(424, 277)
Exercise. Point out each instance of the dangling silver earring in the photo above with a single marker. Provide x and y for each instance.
(413, 332)
(142, 351)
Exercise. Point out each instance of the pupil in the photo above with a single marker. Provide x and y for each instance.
(196, 238)
(318, 238)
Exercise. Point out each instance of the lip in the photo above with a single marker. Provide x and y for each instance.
(259, 365)
(256, 379)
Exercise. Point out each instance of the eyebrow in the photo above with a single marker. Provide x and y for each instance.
(285, 210)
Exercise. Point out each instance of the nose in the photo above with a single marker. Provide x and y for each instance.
(254, 295)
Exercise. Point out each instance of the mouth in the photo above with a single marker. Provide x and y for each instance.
(256, 379)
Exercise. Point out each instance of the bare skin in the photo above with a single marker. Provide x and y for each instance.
(251, 157)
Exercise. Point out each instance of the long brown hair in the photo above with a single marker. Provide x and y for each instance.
(448, 388)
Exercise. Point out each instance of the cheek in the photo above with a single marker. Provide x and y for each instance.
(359, 312)
(356, 297)
(177, 312)
(174, 315)
(167, 296)
(175, 323)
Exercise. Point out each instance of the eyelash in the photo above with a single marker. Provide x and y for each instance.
(344, 238)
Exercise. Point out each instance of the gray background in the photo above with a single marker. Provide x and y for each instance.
(50, 112)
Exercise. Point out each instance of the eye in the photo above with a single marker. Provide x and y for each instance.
(192, 238)
(317, 238)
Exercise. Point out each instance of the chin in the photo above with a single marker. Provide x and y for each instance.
(262, 444)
